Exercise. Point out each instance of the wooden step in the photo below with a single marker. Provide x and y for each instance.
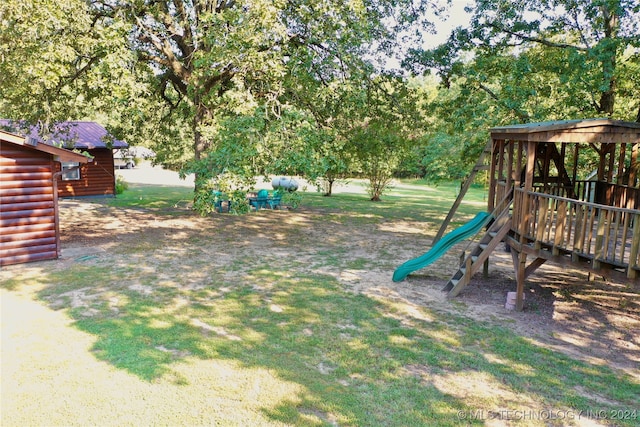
(461, 278)
(451, 284)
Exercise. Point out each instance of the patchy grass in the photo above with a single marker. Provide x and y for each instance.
(249, 321)
(161, 198)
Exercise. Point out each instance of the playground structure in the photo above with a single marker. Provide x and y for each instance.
(439, 248)
(546, 212)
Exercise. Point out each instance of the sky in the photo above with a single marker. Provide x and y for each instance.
(457, 17)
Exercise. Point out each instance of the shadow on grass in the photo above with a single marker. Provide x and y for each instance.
(360, 361)
(251, 290)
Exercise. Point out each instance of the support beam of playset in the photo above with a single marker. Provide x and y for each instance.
(480, 166)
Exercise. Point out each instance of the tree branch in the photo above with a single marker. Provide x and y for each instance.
(523, 116)
(69, 79)
(538, 40)
(184, 38)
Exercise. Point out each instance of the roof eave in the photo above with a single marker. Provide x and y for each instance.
(589, 130)
(59, 154)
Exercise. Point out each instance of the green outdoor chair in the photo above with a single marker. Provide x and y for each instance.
(274, 202)
(261, 201)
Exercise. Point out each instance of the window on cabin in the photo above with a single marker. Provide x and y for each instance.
(70, 171)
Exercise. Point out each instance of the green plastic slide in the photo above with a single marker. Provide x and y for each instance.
(443, 245)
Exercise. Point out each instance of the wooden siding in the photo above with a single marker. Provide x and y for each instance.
(97, 178)
(28, 220)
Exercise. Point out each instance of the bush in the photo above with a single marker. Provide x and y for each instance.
(121, 185)
(292, 199)
(226, 186)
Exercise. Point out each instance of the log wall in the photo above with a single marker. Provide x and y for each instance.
(28, 206)
(97, 178)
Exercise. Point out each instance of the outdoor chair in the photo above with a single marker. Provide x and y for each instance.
(221, 202)
(274, 202)
(261, 201)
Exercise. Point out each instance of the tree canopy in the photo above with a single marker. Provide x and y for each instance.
(57, 62)
(213, 60)
(530, 61)
(250, 87)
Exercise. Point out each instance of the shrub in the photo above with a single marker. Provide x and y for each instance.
(121, 185)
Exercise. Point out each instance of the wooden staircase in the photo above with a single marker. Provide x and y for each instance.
(474, 261)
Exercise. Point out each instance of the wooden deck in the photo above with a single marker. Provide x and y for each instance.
(600, 237)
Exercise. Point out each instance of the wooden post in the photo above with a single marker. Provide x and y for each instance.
(510, 167)
(633, 168)
(601, 241)
(561, 220)
(576, 153)
(578, 238)
(525, 213)
(518, 177)
(623, 154)
(520, 277)
(541, 223)
(500, 147)
(635, 249)
(602, 163)
(493, 181)
(546, 166)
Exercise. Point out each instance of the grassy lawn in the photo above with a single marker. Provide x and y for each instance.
(257, 320)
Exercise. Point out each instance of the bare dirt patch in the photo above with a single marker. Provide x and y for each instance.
(592, 320)
(567, 310)
(588, 318)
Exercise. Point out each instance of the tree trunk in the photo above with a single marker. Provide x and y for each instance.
(199, 144)
(609, 52)
(329, 187)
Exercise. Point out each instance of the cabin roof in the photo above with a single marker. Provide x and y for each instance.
(571, 131)
(77, 134)
(59, 154)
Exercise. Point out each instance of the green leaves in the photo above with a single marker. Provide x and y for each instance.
(528, 61)
(55, 60)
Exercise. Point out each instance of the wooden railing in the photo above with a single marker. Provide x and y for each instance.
(584, 230)
(600, 192)
(608, 194)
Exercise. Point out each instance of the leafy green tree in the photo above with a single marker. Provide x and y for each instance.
(56, 61)
(531, 61)
(380, 125)
(214, 61)
(330, 104)
(207, 56)
(530, 50)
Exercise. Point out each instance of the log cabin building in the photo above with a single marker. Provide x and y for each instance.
(29, 176)
(547, 207)
(96, 178)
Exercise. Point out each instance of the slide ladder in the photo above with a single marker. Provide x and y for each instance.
(480, 253)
